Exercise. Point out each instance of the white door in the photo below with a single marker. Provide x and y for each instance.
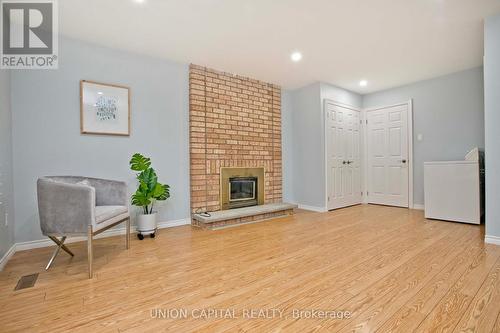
(343, 156)
(387, 156)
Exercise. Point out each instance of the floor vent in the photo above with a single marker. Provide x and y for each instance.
(26, 281)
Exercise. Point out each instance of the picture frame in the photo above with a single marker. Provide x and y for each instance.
(104, 108)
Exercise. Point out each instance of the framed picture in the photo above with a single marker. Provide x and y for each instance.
(104, 109)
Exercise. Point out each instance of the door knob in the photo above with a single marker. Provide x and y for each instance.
(349, 162)
(403, 161)
(344, 162)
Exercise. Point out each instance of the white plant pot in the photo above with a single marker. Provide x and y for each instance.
(146, 224)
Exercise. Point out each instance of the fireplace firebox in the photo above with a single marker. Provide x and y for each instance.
(241, 187)
(242, 192)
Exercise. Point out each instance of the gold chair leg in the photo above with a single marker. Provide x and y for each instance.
(89, 250)
(128, 233)
(60, 245)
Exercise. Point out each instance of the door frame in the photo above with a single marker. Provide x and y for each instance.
(361, 146)
(409, 103)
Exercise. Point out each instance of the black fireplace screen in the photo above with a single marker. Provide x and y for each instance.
(242, 188)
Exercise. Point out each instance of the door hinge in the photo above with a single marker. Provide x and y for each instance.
(360, 121)
(367, 193)
(367, 121)
(328, 198)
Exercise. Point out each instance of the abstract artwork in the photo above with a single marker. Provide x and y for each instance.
(104, 108)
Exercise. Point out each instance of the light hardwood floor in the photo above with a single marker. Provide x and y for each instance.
(391, 268)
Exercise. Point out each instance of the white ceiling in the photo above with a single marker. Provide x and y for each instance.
(387, 42)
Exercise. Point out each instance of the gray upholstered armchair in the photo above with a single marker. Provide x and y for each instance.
(71, 206)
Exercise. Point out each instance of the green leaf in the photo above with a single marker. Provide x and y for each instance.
(139, 162)
(140, 199)
(148, 180)
(161, 192)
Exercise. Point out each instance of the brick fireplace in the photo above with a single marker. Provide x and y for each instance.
(235, 122)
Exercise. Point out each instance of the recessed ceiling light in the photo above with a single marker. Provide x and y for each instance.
(140, 1)
(99, 93)
(296, 56)
(363, 83)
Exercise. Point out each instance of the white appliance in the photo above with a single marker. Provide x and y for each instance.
(453, 189)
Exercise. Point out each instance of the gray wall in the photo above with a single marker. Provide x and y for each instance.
(287, 138)
(340, 95)
(6, 177)
(448, 111)
(46, 131)
(306, 145)
(492, 120)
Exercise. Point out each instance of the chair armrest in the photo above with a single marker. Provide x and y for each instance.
(109, 192)
(65, 208)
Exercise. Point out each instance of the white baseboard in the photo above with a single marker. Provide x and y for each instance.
(313, 208)
(21, 246)
(324, 209)
(418, 206)
(492, 240)
(7, 256)
(174, 223)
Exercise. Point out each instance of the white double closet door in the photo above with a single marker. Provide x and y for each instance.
(343, 156)
(380, 167)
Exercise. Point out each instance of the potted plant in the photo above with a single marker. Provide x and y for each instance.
(148, 192)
